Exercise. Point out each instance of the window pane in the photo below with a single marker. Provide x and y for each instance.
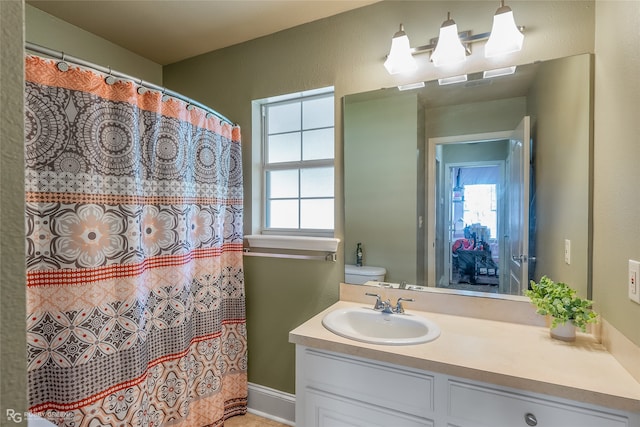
(282, 184)
(298, 162)
(316, 182)
(317, 213)
(318, 144)
(283, 214)
(284, 118)
(480, 206)
(317, 113)
(284, 148)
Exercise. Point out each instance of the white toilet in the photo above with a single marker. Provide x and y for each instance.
(360, 275)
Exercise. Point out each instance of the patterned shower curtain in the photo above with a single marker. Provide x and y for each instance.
(135, 287)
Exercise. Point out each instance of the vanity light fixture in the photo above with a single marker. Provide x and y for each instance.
(400, 59)
(449, 50)
(452, 46)
(505, 36)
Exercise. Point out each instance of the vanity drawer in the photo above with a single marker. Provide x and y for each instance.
(400, 389)
(324, 409)
(484, 406)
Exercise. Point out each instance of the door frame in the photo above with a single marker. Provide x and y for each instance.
(431, 189)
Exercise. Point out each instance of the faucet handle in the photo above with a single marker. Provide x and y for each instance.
(379, 304)
(399, 308)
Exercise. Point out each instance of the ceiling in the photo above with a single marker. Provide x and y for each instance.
(167, 31)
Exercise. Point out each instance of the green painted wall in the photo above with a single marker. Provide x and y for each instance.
(616, 198)
(12, 244)
(478, 117)
(345, 51)
(48, 31)
(280, 296)
(381, 164)
(559, 103)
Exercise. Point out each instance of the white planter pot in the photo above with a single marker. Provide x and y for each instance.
(564, 332)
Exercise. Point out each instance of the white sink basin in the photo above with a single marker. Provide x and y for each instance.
(370, 326)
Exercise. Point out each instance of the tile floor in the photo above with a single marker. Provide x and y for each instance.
(250, 420)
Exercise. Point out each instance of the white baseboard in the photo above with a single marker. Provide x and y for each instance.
(272, 404)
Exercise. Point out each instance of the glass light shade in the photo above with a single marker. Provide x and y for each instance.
(452, 80)
(498, 72)
(505, 36)
(449, 49)
(400, 59)
(411, 86)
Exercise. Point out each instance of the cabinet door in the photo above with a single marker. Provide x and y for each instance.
(475, 406)
(401, 389)
(327, 410)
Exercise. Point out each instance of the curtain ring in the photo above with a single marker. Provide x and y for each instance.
(110, 79)
(62, 65)
(141, 89)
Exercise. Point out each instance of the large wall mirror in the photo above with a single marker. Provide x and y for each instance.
(481, 185)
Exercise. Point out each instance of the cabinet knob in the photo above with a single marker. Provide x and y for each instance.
(530, 419)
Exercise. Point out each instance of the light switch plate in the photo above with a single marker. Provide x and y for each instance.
(567, 251)
(632, 281)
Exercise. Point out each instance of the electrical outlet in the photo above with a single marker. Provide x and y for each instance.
(567, 251)
(632, 281)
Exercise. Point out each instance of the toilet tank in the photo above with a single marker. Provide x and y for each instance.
(360, 275)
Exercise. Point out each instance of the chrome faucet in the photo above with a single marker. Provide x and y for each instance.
(379, 305)
(399, 308)
(386, 307)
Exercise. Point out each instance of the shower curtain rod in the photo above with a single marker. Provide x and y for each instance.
(107, 70)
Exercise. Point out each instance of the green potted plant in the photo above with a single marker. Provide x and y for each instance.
(567, 310)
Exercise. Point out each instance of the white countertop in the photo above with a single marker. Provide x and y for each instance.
(507, 354)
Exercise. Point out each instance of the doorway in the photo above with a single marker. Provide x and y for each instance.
(466, 195)
(511, 151)
(474, 217)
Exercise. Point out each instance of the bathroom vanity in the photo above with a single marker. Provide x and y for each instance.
(477, 373)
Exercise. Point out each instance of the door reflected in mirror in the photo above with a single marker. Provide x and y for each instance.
(473, 186)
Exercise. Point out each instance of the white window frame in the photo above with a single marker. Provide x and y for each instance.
(261, 167)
